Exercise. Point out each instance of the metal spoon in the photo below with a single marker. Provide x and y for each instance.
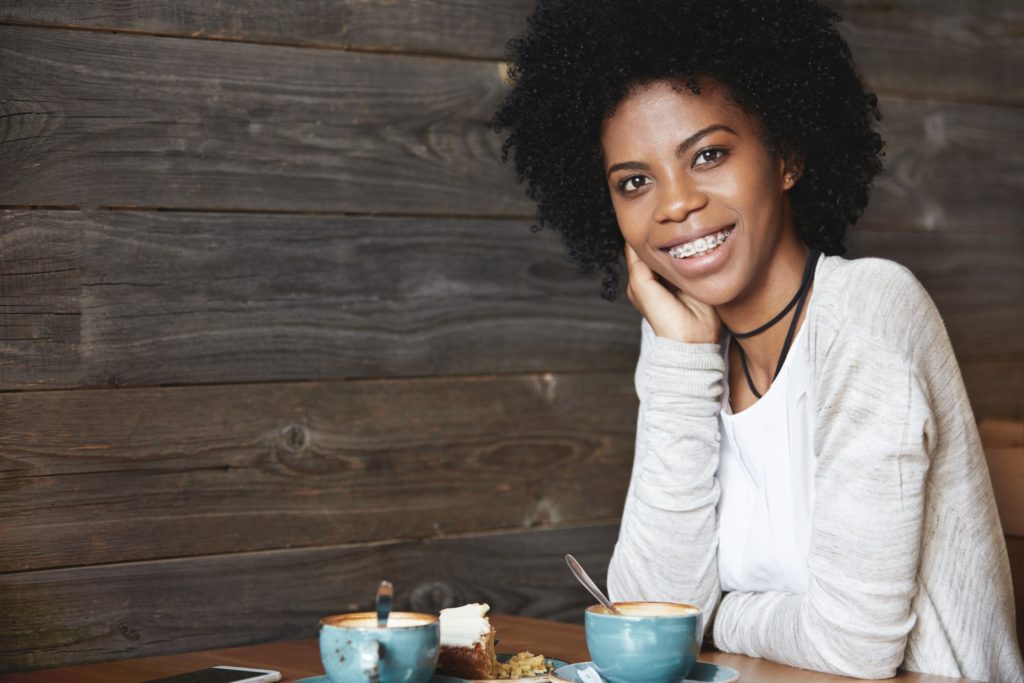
(589, 584)
(384, 594)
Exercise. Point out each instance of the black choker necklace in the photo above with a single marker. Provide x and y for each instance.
(798, 300)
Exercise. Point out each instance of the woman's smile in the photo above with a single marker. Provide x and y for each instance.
(701, 245)
(701, 255)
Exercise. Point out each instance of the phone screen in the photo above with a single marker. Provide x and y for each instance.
(213, 676)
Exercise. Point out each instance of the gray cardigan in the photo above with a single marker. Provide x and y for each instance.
(907, 559)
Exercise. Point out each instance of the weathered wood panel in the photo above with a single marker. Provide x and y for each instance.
(96, 119)
(996, 386)
(947, 50)
(130, 610)
(110, 476)
(950, 165)
(128, 298)
(442, 27)
(138, 298)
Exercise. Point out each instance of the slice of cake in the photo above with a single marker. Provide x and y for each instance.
(467, 643)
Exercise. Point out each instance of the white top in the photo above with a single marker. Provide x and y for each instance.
(766, 475)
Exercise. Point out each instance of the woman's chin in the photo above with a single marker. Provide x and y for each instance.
(714, 290)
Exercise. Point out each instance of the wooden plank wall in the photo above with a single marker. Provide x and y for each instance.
(274, 325)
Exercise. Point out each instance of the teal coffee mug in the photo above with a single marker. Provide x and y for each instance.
(650, 642)
(354, 650)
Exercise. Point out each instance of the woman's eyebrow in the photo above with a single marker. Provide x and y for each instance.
(683, 146)
(692, 140)
(628, 166)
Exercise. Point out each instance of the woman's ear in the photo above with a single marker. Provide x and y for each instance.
(791, 174)
(792, 169)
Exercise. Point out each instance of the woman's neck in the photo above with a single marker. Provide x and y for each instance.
(767, 296)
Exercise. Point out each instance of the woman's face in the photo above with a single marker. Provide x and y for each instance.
(696, 193)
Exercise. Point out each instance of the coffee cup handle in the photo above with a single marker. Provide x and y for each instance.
(369, 660)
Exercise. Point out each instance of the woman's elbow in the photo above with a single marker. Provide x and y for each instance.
(867, 671)
(864, 656)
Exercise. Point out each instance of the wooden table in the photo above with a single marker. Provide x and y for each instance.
(300, 658)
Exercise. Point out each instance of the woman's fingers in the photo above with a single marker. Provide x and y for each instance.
(632, 260)
(643, 283)
(650, 296)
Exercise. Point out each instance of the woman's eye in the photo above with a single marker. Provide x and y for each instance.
(633, 183)
(709, 156)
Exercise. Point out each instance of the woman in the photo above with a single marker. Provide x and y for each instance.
(807, 467)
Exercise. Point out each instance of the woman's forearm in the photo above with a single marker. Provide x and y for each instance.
(667, 547)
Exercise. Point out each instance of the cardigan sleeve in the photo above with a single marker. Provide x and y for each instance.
(667, 546)
(871, 443)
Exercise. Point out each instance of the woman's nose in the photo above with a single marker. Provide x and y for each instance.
(677, 198)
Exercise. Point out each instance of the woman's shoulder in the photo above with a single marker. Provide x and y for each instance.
(877, 300)
(851, 282)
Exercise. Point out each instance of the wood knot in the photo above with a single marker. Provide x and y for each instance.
(546, 385)
(545, 511)
(128, 632)
(432, 597)
(294, 438)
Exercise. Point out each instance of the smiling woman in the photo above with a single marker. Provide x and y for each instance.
(807, 468)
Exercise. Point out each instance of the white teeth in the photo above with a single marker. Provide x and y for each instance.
(701, 245)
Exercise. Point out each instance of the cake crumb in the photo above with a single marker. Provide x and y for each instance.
(523, 665)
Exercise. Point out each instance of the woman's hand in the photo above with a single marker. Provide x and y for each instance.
(672, 313)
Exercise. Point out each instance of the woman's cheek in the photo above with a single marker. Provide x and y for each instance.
(631, 224)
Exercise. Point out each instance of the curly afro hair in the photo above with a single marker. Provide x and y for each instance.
(781, 61)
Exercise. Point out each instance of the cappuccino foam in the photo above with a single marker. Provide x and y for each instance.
(366, 620)
(649, 609)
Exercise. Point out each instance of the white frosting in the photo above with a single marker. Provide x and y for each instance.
(464, 626)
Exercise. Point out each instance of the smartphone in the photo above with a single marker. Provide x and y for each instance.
(223, 674)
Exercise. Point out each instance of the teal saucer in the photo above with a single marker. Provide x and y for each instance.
(325, 679)
(702, 672)
(435, 679)
(551, 661)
